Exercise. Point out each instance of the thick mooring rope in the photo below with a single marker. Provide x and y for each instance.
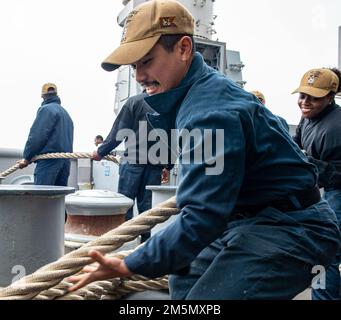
(129, 286)
(96, 288)
(110, 289)
(61, 155)
(52, 274)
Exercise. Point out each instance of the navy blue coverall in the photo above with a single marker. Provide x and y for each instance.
(51, 131)
(210, 250)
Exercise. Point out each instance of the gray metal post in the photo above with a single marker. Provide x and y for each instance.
(161, 194)
(31, 228)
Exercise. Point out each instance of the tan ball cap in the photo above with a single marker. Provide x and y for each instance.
(259, 95)
(143, 28)
(48, 88)
(318, 83)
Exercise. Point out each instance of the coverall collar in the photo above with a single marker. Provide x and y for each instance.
(166, 104)
(54, 99)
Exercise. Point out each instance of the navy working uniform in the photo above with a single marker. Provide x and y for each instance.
(320, 137)
(137, 171)
(284, 123)
(52, 131)
(256, 230)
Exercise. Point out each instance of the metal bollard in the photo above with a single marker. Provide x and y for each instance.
(160, 194)
(31, 228)
(92, 213)
(95, 212)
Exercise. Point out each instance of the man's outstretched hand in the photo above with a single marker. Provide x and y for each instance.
(107, 268)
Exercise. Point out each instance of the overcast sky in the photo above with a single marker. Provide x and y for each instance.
(65, 41)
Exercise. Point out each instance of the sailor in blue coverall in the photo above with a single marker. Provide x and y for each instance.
(134, 175)
(319, 134)
(51, 131)
(255, 229)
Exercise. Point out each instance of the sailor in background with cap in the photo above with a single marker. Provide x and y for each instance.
(249, 231)
(51, 131)
(319, 134)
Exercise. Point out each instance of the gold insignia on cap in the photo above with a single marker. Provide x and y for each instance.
(128, 20)
(167, 22)
(313, 77)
